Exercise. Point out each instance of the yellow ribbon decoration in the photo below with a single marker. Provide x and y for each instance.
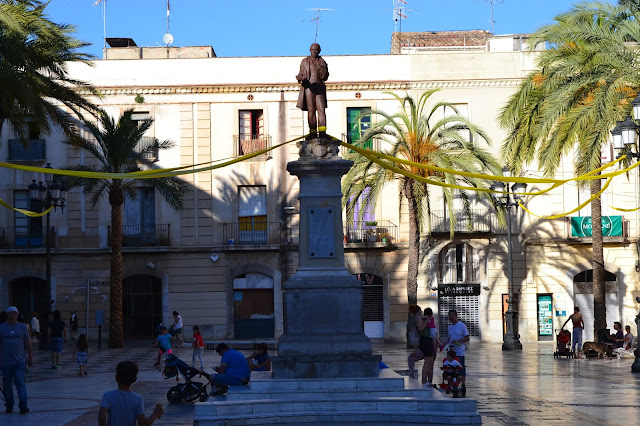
(593, 197)
(25, 212)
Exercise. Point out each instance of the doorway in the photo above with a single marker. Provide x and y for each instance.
(29, 294)
(253, 306)
(141, 306)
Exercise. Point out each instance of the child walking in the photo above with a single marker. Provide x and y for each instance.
(81, 354)
(198, 347)
(122, 406)
(163, 343)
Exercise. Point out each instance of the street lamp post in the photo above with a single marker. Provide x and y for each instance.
(625, 135)
(51, 194)
(509, 200)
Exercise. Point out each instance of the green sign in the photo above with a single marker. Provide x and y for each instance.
(611, 226)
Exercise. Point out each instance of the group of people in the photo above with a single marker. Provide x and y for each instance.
(458, 337)
(621, 341)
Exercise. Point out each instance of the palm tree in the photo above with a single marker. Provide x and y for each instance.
(419, 134)
(584, 84)
(34, 82)
(117, 149)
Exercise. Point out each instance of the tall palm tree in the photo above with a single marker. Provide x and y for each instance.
(584, 84)
(421, 134)
(34, 82)
(117, 149)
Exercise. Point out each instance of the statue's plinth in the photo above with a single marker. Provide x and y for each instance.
(323, 330)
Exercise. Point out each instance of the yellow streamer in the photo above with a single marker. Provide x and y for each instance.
(25, 212)
(593, 197)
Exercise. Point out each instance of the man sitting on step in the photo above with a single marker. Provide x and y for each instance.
(233, 370)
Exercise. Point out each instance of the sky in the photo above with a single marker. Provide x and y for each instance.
(285, 27)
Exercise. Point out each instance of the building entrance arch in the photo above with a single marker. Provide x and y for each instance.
(29, 294)
(583, 298)
(141, 306)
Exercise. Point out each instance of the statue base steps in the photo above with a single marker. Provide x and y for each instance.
(390, 398)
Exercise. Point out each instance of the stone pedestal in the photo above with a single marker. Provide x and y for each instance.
(323, 330)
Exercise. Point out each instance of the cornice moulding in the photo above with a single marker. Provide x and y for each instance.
(336, 87)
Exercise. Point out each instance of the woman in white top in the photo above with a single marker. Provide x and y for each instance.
(178, 326)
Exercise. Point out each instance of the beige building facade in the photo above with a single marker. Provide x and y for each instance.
(222, 261)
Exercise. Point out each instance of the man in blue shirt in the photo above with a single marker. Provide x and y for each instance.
(233, 370)
(14, 342)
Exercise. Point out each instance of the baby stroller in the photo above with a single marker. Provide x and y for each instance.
(189, 390)
(563, 342)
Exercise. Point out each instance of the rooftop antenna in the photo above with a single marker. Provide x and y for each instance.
(316, 18)
(104, 19)
(167, 38)
(492, 21)
(399, 13)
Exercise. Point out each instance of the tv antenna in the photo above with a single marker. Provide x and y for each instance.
(167, 38)
(316, 19)
(399, 13)
(492, 21)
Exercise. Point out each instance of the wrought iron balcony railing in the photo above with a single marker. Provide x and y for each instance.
(479, 221)
(21, 237)
(31, 150)
(252, 234)
(245, 144)
(144, 142)
(368, 232)
(147, 235)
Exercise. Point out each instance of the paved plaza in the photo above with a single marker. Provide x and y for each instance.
(528, 388)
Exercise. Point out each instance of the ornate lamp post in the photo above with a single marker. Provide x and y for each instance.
(51, 194)
(625, 135)
(510, 200)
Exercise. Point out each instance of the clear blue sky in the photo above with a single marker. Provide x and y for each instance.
(284, 27)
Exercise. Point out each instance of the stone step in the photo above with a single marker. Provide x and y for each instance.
(406, 404)
(387, 380)
(380, 418)
(249, 394)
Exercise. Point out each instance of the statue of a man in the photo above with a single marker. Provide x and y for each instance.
(313, 92)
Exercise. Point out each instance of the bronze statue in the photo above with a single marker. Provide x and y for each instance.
(313, 92)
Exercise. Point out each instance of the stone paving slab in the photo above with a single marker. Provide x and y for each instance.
(527, 388)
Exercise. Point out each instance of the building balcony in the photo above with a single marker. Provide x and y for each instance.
(21, 237)
(245, 144)
(480, 221)
(31, 150)
(374, 232)
(144, 142)
(150, 235)
(252, 234)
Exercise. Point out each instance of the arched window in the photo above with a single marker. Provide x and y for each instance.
(458, 263)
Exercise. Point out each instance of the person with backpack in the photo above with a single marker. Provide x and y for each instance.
(56, 336)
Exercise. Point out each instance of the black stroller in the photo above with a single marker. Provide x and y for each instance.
(189, 390)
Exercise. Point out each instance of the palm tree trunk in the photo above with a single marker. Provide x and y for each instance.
(414, 257)
(116, 335)
(599, 302)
